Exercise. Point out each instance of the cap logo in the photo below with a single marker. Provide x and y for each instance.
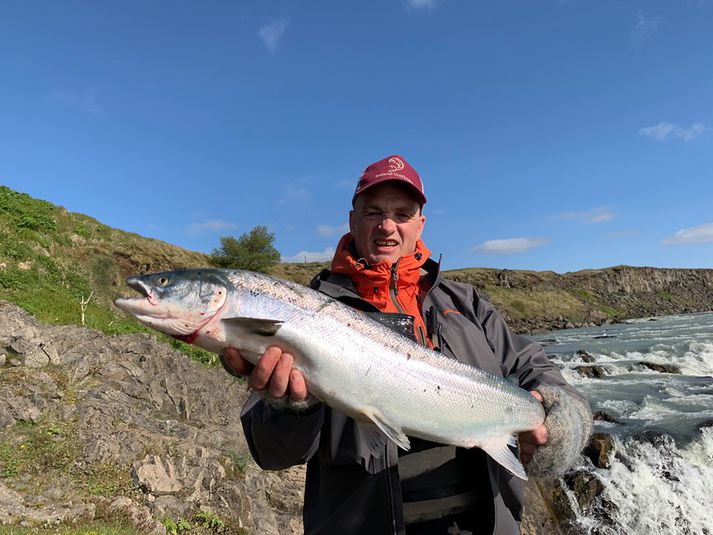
(396, 164)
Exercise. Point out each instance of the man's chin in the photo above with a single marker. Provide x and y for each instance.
(379, 258)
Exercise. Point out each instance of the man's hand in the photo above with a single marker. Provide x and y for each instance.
(274, 372)
(531, 440)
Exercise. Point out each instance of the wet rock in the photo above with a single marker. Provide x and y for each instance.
(661, 368)
(599, 449)
(593, 372)
(603, 416)
(705, 425)
(585, 486)
(585, 357)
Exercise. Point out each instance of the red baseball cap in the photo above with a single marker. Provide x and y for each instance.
(391, 168)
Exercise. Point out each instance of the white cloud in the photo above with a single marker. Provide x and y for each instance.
(700, 234)
(663, 131)
(310, 256)
(643, 29)
(85, 102)
(271, 34)
(510, 245)
(211, 226)
(601, 214)
(294, 193)
(692, 132)
(421, 4)
(327, 231)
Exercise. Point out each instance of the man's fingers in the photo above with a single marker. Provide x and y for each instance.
(540, 435)
(264, 368)
(233, 360)
(280, 381)
(298, 387)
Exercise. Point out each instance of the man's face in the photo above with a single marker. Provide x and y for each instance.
(386, 223)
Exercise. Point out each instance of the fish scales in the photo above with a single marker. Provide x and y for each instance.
(349, 361)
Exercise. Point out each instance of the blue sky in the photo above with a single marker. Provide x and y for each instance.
(550, 134)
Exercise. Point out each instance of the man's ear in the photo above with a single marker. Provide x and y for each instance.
(422, 218)
(351, 221)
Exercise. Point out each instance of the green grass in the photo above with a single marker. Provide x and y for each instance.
(51, 259)
(39, 452)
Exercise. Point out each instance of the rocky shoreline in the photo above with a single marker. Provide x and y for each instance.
(125, 431)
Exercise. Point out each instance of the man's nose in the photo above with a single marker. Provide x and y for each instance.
(388, 223)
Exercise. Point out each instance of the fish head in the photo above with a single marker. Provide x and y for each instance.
(178, 303)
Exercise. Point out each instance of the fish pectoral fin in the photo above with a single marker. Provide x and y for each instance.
(498, 449)
(394, 432)
(257, 326)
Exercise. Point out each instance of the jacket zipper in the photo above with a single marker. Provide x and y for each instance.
(394, 292)
(394, 289)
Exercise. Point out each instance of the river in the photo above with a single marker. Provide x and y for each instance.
(660, 481)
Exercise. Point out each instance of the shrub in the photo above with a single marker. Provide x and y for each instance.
(253, 251)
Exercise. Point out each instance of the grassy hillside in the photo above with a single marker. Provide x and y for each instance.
(51, 259)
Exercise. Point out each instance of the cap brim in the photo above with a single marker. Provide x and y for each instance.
(417, 192)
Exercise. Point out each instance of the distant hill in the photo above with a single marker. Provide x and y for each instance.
(51, 259)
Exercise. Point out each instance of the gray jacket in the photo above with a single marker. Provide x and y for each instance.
(352, 483)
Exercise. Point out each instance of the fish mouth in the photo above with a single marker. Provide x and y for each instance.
(136, 284)
(134, 304)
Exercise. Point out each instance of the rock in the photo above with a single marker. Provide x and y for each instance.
(599, 449)
(586, 487)
(585, 357)
(140, 516)
(155, 475)
(6, 418)
(22, 409)
(3, 359)
(705, 425)
(537, 518)
(594, 372)
(604, 416)
(33, 353)
(15, 508)
(661, 368)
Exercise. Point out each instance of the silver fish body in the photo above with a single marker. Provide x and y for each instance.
(351, 362)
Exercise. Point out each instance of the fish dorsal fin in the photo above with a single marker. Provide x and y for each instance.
(257, 326)
(392, 431)
(497, 448)
(400, 323)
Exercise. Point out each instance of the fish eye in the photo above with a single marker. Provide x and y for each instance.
(163, 281)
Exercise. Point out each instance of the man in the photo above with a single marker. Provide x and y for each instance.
(358, 481)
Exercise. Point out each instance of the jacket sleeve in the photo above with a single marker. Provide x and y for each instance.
(569, 416)
(517, 354)
(280, 438)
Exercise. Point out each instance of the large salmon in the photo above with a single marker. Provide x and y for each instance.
(351, 362)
